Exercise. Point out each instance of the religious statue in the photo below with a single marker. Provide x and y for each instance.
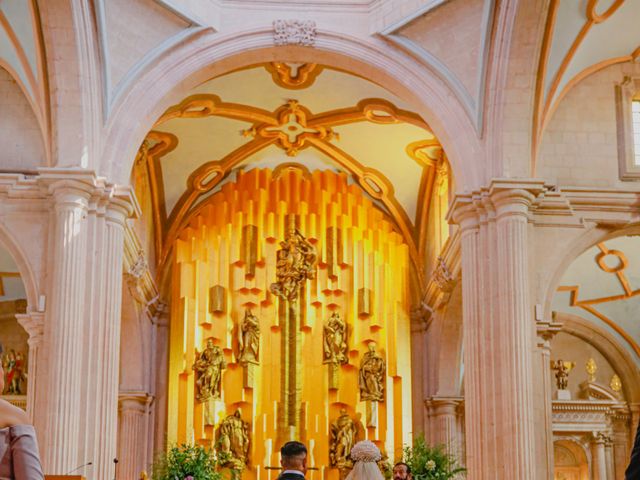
(371, 377)
(233, 441)
(342, 437)
(335, 341)
(562, 370)
(14, 374)
(249, 338)
(295, 263)
(208, 367)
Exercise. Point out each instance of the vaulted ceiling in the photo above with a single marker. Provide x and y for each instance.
(22, 53)
(276, 113)
(582, 37)
(603, 286)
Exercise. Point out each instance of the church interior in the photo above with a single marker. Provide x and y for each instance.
(235, 223)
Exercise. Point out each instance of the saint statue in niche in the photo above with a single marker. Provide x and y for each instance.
(335, 340)
(208, 367)
(295, 263)
(371, 376)
(249, 338)
(233, 441)
(342, 437)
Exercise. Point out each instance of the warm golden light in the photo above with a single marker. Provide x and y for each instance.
(362, 273)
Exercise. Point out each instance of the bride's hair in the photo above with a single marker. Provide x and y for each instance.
(365, 454)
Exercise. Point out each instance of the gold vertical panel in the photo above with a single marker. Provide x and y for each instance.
(365, 302)
(249, 252)
(217, 299)
(334, 251)
(246, 219)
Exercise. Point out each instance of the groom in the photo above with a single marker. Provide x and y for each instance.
(293, 458)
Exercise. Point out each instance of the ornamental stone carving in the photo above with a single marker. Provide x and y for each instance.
(295, 263)
(294, 32)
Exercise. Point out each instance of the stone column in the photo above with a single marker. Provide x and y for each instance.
(499, 331)
(161, 365)
(132, 433)
(516, 338)
(475, 431)
(544, 410)
(608, 450)
(599, 456)
(102, 331)
(443, 422)
(33, 323)
(63, 327)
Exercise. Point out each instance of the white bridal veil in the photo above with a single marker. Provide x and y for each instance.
(365, 455)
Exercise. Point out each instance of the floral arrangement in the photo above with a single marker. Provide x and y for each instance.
(431, 463)
(187, 462)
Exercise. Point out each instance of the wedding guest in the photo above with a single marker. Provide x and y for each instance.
(19, 459)
(633, 470)
(293, 458)
(366, 456)
(401, 471)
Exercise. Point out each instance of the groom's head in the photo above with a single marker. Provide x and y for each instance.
(293, 456)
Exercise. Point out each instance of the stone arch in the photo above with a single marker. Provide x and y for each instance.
(24, 266)
(208, 56)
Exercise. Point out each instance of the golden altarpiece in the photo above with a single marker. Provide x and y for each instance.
(326, 361)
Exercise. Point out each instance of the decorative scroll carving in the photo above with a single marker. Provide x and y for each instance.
(249, 338)
(371, 377)
(294, 76)
(233, 441)
(208, 367)
(295, 264)
(442, 276)
(562, 370)
(342, 437)
(294, 32)
(335, 341)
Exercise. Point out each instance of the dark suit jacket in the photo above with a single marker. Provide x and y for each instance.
(291, 476)
(633, 471)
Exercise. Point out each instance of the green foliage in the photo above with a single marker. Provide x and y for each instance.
(182, 461)
(431, 463)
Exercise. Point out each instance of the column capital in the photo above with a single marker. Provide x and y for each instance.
(443, 405)
(134, 400)
(546, 330)
(33, 323)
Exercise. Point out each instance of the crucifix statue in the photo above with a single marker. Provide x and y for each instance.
(295, 264)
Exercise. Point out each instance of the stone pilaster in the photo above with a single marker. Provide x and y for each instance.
(608, 450)
(64, 326)
(33, 323)
(598, 455)
(102, 329)
(544, 405)
(161, 366)
(475, 431)
(444, 423)
(132, 433)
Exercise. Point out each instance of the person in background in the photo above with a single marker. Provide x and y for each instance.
(293, 458)
(633, 470)
(19, 459)
(401, 471)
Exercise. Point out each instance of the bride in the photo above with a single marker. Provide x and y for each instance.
(365, 456)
